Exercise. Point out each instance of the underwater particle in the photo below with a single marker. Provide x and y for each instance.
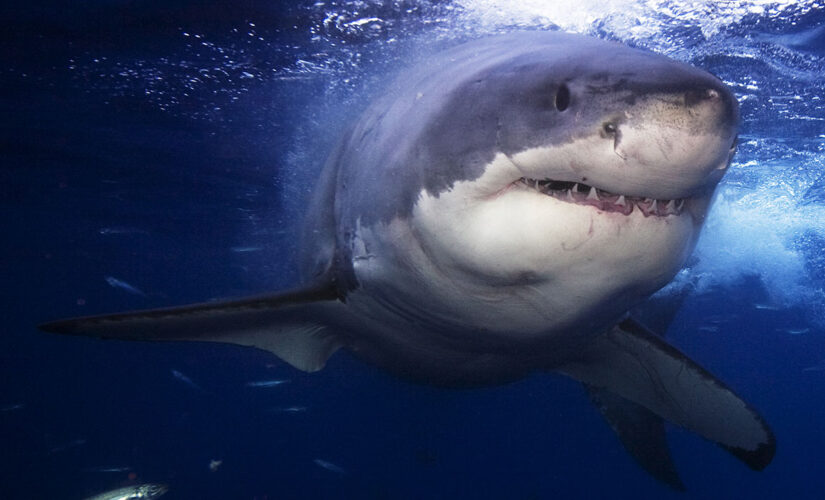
(214, 465)
(426, 456)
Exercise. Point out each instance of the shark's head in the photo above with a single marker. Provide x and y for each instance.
(566, 179)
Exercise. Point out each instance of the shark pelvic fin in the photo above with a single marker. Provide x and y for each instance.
(639, 366)
(288, 324)
(641, 432)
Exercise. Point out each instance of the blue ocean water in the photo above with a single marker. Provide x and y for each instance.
(158, 153)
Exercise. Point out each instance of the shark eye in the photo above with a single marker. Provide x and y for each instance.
(562, 97)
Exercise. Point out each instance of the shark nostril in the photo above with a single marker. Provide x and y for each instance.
(694, 97)
(562, 98)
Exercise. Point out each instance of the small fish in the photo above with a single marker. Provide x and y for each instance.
(796, 331)
(214, 465)
(766, 307)
(266, 383)
(288, 409)
(330, 466)
(819, 367)
(186, 380)
(716, 319)
(147, 491)
(121, 230)
(116, 283)
(246, 249)
(68, 446)
(107, 469)
(12, 407)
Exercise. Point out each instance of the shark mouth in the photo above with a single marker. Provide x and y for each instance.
(582, 194)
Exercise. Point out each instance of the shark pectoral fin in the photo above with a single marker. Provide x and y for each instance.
(290, 324)
(641, 432)
(639, 366)
(305, 345)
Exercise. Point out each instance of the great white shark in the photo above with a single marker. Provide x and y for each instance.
(497, 213)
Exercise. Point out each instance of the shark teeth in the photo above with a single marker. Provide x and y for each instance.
(593, 195)
(583, 194)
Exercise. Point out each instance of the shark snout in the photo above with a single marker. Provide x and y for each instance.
(716, 106)
(669, 144)
(694, 111)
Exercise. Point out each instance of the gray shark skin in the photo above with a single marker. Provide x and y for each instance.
(497, 213)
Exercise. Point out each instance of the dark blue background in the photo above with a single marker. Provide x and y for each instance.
(184, 187)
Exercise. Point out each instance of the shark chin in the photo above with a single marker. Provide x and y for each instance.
(498, 212)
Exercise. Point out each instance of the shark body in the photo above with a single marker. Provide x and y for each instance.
(497, 213)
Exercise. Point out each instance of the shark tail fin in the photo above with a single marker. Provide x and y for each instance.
(289, 324)
(637, 365)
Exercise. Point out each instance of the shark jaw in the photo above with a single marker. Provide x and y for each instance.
(583, 194)
(552, 256)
